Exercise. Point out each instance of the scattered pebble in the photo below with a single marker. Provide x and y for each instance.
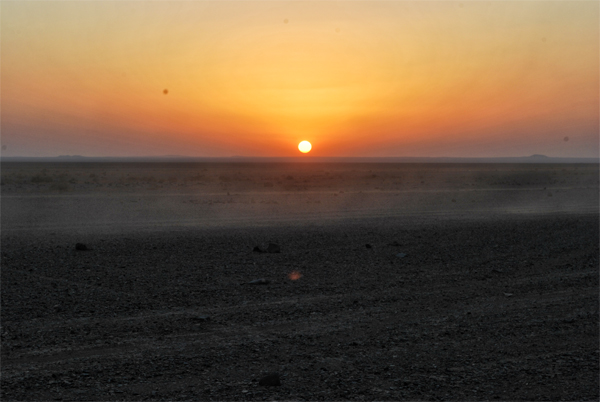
(273, 248)
(270, 380)
(81, 247)
(201, 318)
(260, 281)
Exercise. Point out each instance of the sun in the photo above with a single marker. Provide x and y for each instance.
(304, 147)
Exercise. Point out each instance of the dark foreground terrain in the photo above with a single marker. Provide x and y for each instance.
(474, 298)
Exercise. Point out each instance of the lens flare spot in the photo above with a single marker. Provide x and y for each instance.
(294, 275)
(304, 147)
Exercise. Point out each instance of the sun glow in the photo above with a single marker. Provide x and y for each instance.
(304, 147)
(370, 78)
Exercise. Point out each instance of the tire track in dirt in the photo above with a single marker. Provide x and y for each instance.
(223, 335)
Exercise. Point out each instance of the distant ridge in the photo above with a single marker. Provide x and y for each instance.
(536, 158)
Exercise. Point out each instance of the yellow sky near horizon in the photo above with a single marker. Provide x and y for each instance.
(392, 78)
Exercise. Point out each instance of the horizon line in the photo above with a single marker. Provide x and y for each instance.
(530, 158)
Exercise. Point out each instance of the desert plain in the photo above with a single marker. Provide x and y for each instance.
(388, 281)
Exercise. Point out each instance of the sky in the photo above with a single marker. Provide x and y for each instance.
(248, 78)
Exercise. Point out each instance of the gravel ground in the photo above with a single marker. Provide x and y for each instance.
(501, 308)
(393, 281)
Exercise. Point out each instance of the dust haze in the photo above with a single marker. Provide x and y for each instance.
(141, 196)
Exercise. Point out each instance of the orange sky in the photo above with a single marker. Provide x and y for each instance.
(393, 78)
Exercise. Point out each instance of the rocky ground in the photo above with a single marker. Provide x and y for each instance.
(502, 308)
(392, 282)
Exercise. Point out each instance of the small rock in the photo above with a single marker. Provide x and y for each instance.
(401, 255)
(394, 243)
(270, 380)
(508, 294)
(368, 245)
(260, 281)
(81, 247)
(273, 248)
(201, 318)
(257, 249)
